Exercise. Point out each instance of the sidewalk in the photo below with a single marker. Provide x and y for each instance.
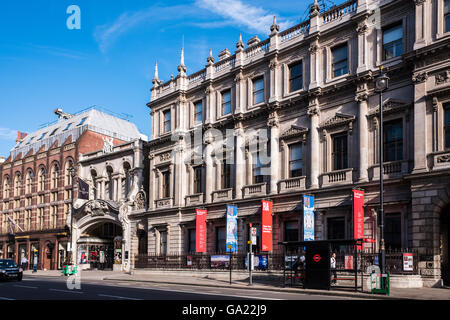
(258, 284)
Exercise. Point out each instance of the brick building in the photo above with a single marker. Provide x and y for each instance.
(306, 97)
(36, 187)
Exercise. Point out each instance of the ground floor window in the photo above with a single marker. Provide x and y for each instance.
(393, 231)
(163, 242)
(191, 240)
(291, 231)
(336, 230)
(220, 239)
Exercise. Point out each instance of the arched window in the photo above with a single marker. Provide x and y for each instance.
(67, 176)
(28, 181)
(95, 184)
(126, 183)
(17, 185)
(41, 179)
(55, 177)
(6, 187)
(109, 183)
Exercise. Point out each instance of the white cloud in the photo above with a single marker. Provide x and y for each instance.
(254, 18)
(8, 134)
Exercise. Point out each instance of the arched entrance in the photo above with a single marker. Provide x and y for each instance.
(96, 246)
(444, 241)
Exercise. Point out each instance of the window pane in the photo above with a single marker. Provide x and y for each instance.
(296, 70)
(258, 84)
(258, 97)
(447, 115)
(291, 231)
(198, 112)
(340, 152)
(447, 6)
(296, 84)
(227, 108)
(393, 140)
(393, 231)
(336, 228)
(295, 152)
(447, 23)
(220, 239)
(226, 96)
(393, 34)
(339, 53)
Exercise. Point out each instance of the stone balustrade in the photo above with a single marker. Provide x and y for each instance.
(263, 46)
(294, 31)
(255, 190)
(391, 169)
(440, 160)
(340, 11)
(222, 195)
(192, 199)
(337, 177)
(292, 184)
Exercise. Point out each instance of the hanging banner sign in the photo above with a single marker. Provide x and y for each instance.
(358, 215)
(308, 218)
(231, 228)
(267, 225)
(200, 231)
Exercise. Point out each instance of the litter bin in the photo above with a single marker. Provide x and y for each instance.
(381, 284)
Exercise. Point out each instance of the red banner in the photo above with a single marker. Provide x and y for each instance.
(200, 234)
(267, 225)
(358, 215)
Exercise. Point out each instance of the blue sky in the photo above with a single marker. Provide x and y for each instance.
(110, 61)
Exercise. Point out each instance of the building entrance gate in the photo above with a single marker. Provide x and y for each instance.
(308, 264)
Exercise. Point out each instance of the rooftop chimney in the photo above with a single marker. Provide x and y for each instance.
(20, 136)
(62, 115)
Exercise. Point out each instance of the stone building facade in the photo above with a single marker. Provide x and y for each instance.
(305, 97)
(36, 186)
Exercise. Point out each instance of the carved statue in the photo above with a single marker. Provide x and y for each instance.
(96, 208)
(140, 200)
(108, 145)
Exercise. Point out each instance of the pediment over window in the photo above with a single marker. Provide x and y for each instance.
(339, 119)
(294, 131)
(391, 106)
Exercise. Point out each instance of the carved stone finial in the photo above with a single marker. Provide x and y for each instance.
(156, 81)
(210, 59)
(315, 9)
(182, 68)
(275, 27)
(240, 45)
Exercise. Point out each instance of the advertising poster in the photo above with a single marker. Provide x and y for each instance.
(348, 262)
(267, 225)
(189, 261)
(200, 231)
(408, 262)
(358, 215)
(259, 262)
(231, 228)
(220, 261)
(308, 218)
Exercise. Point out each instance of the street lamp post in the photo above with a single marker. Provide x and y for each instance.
(381, 84)
(72, 172)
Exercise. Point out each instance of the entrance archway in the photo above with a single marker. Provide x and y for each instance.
(96, 246)
(445, 248)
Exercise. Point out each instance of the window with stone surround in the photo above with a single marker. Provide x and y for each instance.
(198, 112)
(447, 15)
(291, 231)
(198, 179)
(393, 41)
(165, 184)
(295, 160)
(163, 242)
(41, 180)
(340, 60)
(166, 117)
(258, 90)
(191, 240)
(28, 182)
(220, 239)
(393, 140)
(226, 172)
(55, 177)
(258, 176)
(6, 187)
(17, 185)
(296, 76)
(340, 153)
(447, 125)
(336, 228)
(393, 231)
(226, 102)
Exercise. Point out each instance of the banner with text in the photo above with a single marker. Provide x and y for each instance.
(200, 232)
(231, 228)
(267, 225)
(358, 215)
(308, 218)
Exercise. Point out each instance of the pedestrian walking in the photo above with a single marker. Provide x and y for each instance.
(24, 263)
(333, 267)
(35, 262)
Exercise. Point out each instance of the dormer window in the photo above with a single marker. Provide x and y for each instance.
(42, 136)
(31, 139)
(82, 121)
(53, 132)
(68, 126)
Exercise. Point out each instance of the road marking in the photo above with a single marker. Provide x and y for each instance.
(68, 291)
(3, 298)
(118, 297)
(18, 285)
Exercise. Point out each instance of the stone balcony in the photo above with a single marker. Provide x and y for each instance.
(164, 203)
(222, 195)
(440, 160)
(255, 190)
(337, 177)
(192, 199)
(391, 170)
(292, 184)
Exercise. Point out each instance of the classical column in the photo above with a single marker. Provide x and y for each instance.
(240, 159)
(422, 22)
(274, 83)
(240, 92)
(362, 97)
(314, 62)
(209, 92)
(274, 125)
(313, 112)
(209, 169)
(103, 189)
(420, 125)
(151, 184)
(116, 189)
(362, 45)
(179, 174)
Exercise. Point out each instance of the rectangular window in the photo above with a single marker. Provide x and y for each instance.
(163, 242)
(42, 136)
(291, 231)
(258, 90)
(336, 228)
(198, 180)
(191, 243)
(198, 113)
(220, 239)
(447, 15)
(393, 41)
(166, 184)
(258, 176)
(340, 60)
(226, 174)
(296, 77)
(53, 132)
(166, 115)
(82, 121)
(393, 140)
(393, 231)
(447, 124)
(339, 154)
(226, 102)
(295, 160)
(67, 127)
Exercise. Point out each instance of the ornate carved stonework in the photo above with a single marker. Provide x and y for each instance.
(295, 131)
(340, 119)
(362, 96)
(419, 2)
(273, 64)
(362, 27)
(390, 106)
(140, 200)
(208, 90)
(108, 145)
(312, 111)
(96, 208)
(444, 158)
(442, 77)
(239, 77)
(273, 120)
(165, 156)
(419, 77)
